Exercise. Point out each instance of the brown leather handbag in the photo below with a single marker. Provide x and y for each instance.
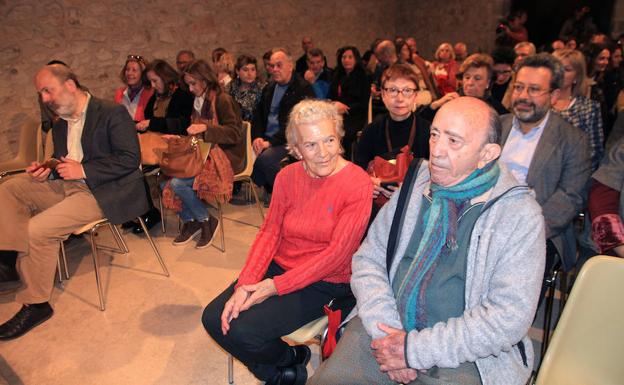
(183, 157)
(152, 147)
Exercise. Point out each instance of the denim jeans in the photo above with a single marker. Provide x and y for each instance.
(192, 206)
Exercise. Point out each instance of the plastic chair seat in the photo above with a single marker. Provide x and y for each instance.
(308, 331)
(89, 226)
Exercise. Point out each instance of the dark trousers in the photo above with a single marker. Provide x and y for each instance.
(255, 336)
(267, 165)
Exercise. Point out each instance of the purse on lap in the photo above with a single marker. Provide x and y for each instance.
(184, 157)
(152, 147)
(394, 170)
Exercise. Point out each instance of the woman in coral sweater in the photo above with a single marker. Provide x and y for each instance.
(301, 258)
(136, 91)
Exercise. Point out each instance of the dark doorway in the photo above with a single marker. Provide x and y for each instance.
(545, 17)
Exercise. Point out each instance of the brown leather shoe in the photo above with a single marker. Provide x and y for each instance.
(188, 231)
(208, 231)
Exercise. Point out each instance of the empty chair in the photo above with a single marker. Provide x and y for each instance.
(587, 345)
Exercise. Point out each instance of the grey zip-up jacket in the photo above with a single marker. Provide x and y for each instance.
(504, 273)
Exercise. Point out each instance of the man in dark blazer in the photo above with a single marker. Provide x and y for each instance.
(271, 118)
(548, 154)
(98, 177)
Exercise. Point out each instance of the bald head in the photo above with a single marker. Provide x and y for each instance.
(386, 52)
(464, 136)
(478, 115)
(60, 90)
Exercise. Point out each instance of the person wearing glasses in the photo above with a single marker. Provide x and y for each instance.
(547, 153)
(503, 61)
(390, 132)
(136, 91)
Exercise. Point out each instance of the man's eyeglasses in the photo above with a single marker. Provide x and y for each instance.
(394, 92)
(533, 91)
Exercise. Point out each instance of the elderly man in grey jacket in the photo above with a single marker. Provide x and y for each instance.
(447, 280)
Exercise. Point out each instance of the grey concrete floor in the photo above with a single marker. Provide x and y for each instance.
(150, 332)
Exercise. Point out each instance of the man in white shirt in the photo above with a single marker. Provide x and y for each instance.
(546, 153)
(96, 176)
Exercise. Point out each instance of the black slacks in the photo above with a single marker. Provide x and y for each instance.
(255, 336)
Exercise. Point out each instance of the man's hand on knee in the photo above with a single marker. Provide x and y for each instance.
(403, 376)
(389, 351)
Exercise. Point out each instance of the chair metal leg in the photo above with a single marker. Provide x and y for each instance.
(162, 215)
(255, 194)
(121, 244)
(230, 369)
(58, 268)
(64, 257)
(96, 267)
(154, 248)
(222, 235)
(552, 283)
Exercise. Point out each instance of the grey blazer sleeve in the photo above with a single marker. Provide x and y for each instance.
(570, 194)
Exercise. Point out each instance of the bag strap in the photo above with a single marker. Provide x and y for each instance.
(412, 134)
(399, 212)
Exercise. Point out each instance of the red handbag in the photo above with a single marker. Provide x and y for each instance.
(388, 171)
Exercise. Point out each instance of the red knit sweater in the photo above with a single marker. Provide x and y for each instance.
(312, 229)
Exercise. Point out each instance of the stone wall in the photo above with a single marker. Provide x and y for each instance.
(431, 23)
(95, 37)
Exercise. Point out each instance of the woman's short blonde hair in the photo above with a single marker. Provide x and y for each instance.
(226, 63)
(443, 45)
(577, 59)
(311, 111)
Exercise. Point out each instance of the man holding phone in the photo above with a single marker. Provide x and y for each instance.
(94, 174)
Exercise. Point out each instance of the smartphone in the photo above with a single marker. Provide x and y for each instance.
(50, 163)
(388, 184)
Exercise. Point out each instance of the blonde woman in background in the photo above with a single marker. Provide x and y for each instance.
(575, 107)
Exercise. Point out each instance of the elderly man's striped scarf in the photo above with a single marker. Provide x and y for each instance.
(440, 223)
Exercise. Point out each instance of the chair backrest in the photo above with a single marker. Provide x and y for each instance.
(587, 346)
(29, 149)
(251, 156)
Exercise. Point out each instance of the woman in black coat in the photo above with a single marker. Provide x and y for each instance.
(350, 91)
(169, 110)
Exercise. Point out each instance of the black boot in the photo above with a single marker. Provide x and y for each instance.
(290, 375)
(151, 218)
(9, 278)
(292, 367)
